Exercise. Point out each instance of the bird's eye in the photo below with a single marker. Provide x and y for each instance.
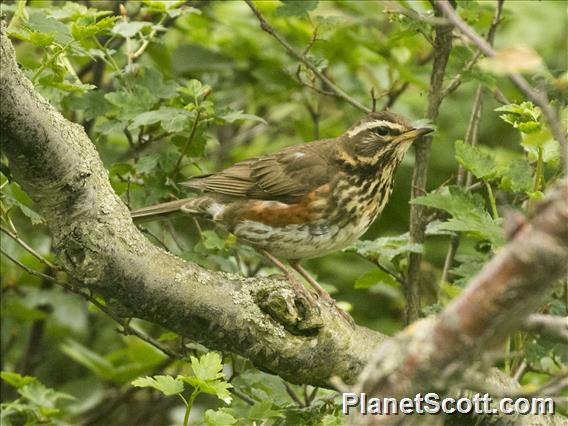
(381, 130)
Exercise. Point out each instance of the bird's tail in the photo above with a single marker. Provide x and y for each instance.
(184, 205)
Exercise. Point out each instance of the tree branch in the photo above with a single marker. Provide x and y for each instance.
(442, 47)
(437, 352)
(99, 246)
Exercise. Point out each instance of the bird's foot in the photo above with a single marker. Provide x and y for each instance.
(321, 292)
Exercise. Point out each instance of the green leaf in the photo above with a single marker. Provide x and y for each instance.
(41, 395)
(331, 420)
(195, 90)
(212, 240)
(92, 104)
(40, 39)
(15, 379)
(130, 29)
(479, 76)
(132, 103)
(88, 358)
(518, 177)
(41, 23)
(232, 116)
(207, 371)
(471, 158)
(524, 116)
(35, 218)
(385, 248)
(296, 8)
(262, 411)
(208, 366)
(80, 32)
(172, 120)
(373, 277)
(218, 418)
(469, 266)
(165, 384)
(468, 211)
(147, 164)
(151, 79)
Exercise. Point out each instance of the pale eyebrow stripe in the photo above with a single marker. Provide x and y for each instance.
(373, 124)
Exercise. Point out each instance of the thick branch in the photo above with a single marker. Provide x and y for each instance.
(436, 352)
(57, 165)
(442, 47)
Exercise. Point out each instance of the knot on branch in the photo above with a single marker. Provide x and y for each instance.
(294, 311)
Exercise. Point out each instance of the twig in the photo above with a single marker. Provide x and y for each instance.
(393, 8)
(27, 268)
(535, 96)
(148, 39)
(456, 81)
(373, 100)
(550, 326)
(442, 48)
(29, 248)
(126, 329)
(187, 142)
(334, 88)
(311, 85)
(292, 394)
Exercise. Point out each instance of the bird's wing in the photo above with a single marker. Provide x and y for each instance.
(287, 175)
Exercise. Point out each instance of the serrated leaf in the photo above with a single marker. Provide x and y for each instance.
(208, 366)
(195, 89)
(81, 32)
(132, 103)
(262, 411)
(473, 159)
(469, 266)
(172, 120)
(212, 240)
(130, 29)
(147, 164)
(468, 211)
(92, 104)
(41, 395)
(165, 384)
(518, 177)
(40, 39)
(34, 217)
(524, 116)
(385, 248)
(232, 116)
(15, 379)
(373, 277)
(219, 417)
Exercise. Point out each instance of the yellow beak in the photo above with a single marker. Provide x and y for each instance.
(414, 134)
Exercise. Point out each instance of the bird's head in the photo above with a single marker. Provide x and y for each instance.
(380, 138)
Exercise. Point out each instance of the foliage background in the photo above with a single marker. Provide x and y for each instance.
(209, 88)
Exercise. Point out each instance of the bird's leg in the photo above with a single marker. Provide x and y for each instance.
(319, 289)
(295, 264)
(290, 275)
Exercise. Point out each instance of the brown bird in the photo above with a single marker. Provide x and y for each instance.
(307, 200)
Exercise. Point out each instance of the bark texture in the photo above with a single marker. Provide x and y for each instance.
(261, 319)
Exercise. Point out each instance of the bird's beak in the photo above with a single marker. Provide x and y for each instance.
(415, 133)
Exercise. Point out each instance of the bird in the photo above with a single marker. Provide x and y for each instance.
(307, 200)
